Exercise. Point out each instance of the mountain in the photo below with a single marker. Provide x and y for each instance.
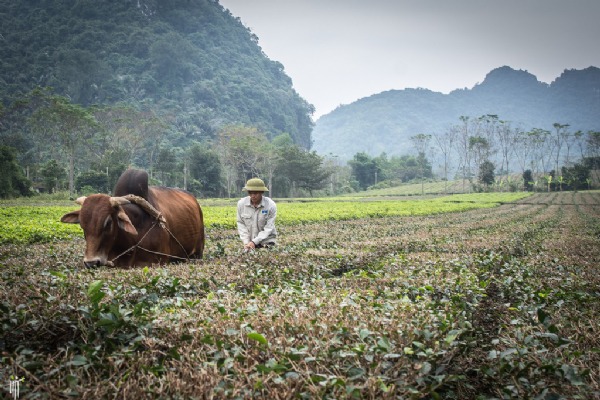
(385, 122)
(190, 61)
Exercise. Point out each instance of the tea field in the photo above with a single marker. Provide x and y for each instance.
(491, 296)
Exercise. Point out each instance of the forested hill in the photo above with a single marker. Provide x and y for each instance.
(190, 60)
(385, 122)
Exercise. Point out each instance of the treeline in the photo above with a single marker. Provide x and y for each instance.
(50, 144)
(487, 153)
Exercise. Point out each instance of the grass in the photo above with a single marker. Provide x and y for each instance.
(35, 224)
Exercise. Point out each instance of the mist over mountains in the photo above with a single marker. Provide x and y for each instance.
(384, 122)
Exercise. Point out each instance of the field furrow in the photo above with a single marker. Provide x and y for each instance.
(496, 302)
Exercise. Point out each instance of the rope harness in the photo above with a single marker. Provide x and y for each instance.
(159, 220)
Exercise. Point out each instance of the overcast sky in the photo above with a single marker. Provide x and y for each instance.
(338, 51)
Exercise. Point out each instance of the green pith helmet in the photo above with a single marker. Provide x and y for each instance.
(255, 185)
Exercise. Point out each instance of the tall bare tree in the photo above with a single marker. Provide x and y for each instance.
(445, 143)
(468, 128)
(507, 140)
(243, 151)
(70, 125)
(561, 134)
(421, 143)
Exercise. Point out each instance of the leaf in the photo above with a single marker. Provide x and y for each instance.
(263, 369)
(571, 374)
(452, 335)
(318, 378)
(258, 337)
(542, 316)
(107, 322)
(58, 275)
(94, 288)
(507, 352)
(95, 292)
(292, 375)
(78, 361)
(364, 333)
(355, 372)
(175, 354)
(384, 344)
(426, 368)
(72, 380)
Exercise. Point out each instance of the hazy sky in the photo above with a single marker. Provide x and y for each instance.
(337, 51)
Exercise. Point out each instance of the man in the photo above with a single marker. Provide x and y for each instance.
(256, 216)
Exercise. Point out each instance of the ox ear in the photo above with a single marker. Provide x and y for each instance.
(80, 200)
(125, 222)
(71, 218)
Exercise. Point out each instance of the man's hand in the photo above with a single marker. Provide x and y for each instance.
(249, 246)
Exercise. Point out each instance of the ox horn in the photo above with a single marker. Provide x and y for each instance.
(117, 201)
(80, 200)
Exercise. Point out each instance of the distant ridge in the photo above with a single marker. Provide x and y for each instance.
(384, 122)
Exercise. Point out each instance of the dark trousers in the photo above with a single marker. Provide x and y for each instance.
(264, 245)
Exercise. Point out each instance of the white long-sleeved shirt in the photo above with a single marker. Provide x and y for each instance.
(257, 224)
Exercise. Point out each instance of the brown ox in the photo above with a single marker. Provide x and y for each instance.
(126, 230)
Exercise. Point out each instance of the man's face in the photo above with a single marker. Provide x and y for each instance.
(255, 197)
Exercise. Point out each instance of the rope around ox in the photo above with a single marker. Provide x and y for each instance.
(159, 220)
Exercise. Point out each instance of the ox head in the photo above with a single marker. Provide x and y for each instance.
(100, 217)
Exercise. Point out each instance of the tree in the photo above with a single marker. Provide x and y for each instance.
(81, 71)
(480, 148)
(112, 162)
(299, 168)
(506, 137)
(170, 58)
(243, 151)
(445, 144)
(488, 129)
(544, 147)
(464, 132)
(486, 173)
(53, 174)
(339, 180)
(559, 139)
(421, 142)
(12, 181)
(527, 180)
(205, 168)
(166, 165)
(577, 176)
(69, 124)
(522, 149)
(94, 179)
(593, 143)
(130, 132)
(364, 170)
